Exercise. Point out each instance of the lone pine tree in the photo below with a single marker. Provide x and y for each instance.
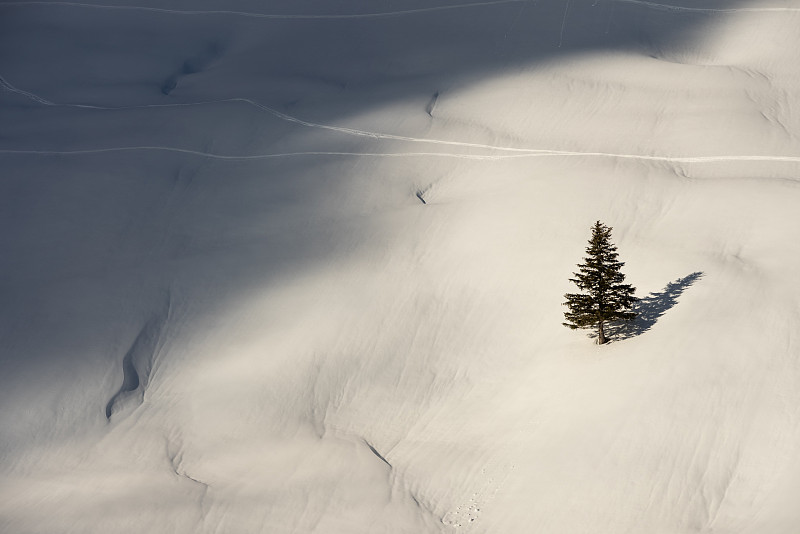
(604, 296)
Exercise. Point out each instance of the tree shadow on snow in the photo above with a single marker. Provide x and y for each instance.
(650, 308)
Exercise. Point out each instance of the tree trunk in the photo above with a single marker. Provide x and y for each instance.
(601, 335)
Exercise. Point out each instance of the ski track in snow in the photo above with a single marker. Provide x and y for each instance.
(8, 87)
(283, 116)
(262, 156)
(668, 7)
(379, 14)
(563, 24)
(375, 14)
(532, 153)
(515, 152)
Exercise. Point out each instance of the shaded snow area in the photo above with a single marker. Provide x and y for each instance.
(297, 266)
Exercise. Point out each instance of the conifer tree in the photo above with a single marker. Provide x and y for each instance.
(605, 297)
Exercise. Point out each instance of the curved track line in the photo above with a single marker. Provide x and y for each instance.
(668, 7)
(8, 87)
(485, 157)
(514, 152)
(376, 14)
(274, 112)
(211, 155)
(379, 14)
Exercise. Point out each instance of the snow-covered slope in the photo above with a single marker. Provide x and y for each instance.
(272, 266)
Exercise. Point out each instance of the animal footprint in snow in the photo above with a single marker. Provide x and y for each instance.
(463, 515)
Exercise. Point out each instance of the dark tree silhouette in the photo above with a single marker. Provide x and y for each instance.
(604, 296)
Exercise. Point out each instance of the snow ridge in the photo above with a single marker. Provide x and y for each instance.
(138, 361)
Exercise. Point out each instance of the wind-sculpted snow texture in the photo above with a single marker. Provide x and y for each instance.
(297, 267)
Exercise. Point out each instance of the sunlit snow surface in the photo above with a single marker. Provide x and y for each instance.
(294, 267)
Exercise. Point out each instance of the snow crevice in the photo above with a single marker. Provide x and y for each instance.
(138, 361)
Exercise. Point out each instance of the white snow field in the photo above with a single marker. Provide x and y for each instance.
(297, 266)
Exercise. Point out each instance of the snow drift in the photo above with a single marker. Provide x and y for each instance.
(298, 267)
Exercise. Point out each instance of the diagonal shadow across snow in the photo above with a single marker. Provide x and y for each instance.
(652, 307)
